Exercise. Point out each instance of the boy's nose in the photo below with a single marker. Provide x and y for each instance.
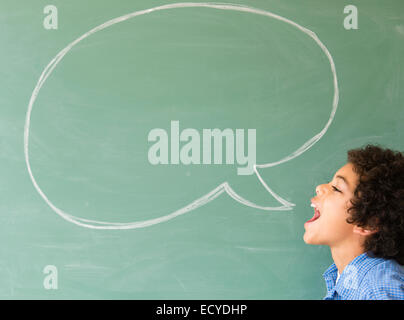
(319, 190)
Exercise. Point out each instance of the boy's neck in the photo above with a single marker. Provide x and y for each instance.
(343, 255)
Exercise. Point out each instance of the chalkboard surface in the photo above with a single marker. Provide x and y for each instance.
(165, 150)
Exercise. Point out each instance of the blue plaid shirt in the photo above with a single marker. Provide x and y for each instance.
(366, 278)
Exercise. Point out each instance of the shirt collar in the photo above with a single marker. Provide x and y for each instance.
(330, 276)
(351, 277)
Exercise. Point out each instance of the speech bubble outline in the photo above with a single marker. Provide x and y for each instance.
(223, 187)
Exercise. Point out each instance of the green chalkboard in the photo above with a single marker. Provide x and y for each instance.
(166, 150)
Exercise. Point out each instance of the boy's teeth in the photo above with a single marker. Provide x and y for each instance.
(312, 205)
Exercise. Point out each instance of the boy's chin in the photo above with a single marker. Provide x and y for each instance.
(306, 239)
(310, 239)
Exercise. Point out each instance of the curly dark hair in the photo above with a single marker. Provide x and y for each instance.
(378, 202)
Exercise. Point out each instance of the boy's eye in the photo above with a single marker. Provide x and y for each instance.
(335, 189)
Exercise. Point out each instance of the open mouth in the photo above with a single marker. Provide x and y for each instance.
(315, 216)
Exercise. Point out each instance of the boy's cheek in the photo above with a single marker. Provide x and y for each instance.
(330, 228)
(336, 230)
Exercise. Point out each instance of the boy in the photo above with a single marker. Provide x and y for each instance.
(360, 216)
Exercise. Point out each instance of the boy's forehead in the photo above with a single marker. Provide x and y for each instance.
(348, 174)
(348, 169)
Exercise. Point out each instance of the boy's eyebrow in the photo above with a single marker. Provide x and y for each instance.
(343, 178)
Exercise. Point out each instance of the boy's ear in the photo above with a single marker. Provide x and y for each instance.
(364, 231)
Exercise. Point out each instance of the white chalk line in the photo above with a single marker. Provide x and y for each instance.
(224, 187)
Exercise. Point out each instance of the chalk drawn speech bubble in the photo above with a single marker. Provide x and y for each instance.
(223, 187)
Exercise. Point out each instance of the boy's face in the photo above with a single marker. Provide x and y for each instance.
(328, 225)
